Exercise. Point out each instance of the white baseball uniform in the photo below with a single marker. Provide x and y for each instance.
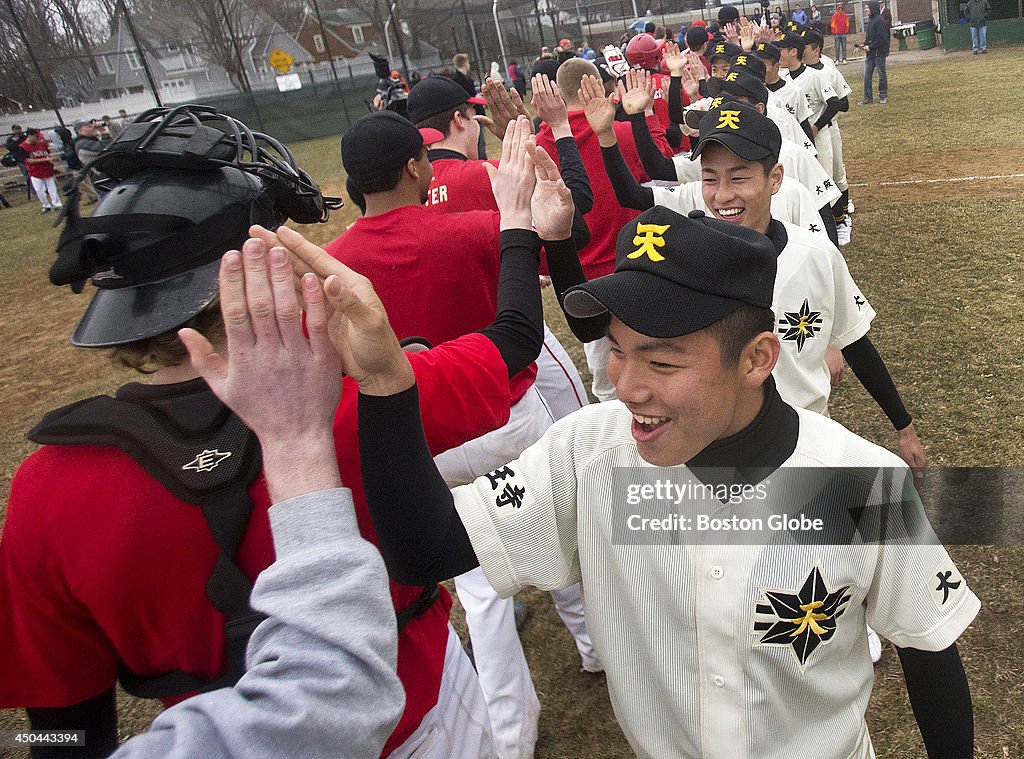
(709, 650)
(817, 305)
(843, 89)
(818, 90)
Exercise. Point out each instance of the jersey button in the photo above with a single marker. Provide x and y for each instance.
(719, 681)
(717, 573)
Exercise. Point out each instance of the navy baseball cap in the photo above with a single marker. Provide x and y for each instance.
(767, 51)
(792, 40)
(678, 274)
(382, 141)
(727, 14)
(742, 129)
(738, 82)
(749, 63)
(437, 94)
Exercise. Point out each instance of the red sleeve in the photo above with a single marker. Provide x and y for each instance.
(627, 145)
(464, 390)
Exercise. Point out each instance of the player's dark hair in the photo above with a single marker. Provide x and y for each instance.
(768, 163)
(736, 330)
(385, 181)
(442, 122)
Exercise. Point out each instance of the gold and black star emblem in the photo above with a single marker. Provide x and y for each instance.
(803, 620)
(801, 325)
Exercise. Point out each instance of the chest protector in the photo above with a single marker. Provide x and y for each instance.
(212, 468)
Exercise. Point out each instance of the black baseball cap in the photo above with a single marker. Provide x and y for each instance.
(792, 40)
(768, 51)
(437, 94)
(382, 141)
(813, 37)
(742, 129)
(738, 82)
(723, 49)
(727, 14)
(678, 274)
(696, 36)
(749, 63)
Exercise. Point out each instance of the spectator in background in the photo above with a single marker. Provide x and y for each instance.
(517, 76)
(123, 118)
(840, 28)
(464, 77)
(799, 15)
(414, 79)
(564, 51)
(815, 21)
(113, 126)
(13, 145)
(876, 47)
(74, 164)
(91, 140)
(978, 12)
(586, 51)
(697, 42)
(41, 169)
(886, 14)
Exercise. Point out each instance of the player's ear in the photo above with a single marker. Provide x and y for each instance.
(775, 176)
(758, 359)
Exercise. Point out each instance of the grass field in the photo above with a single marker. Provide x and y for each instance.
(941, 262)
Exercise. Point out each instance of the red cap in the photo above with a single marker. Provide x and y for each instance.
(564, 43)
(430, 136)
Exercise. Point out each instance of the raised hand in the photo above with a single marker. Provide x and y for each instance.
(548, 103)
(746, 34)
(357, 323)
(600, 110)
(551, 204)
(674, 60)
(638, 92)
(501, 107)
(514, 178)
(731, 33)
(691, 78)
(283, 385)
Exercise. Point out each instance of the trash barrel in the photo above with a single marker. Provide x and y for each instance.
(925, 34)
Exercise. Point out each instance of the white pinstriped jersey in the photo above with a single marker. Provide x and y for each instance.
(792, 203)
(839, 83)
(687, 633)
(789, 127)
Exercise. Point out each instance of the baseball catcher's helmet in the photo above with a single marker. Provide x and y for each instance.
(186, 193)
(645, 51)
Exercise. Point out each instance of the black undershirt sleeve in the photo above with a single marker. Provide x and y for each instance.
(655, 163)
(628, 191)
(941, 699)
(574, 174)
(831, 109)
(576, 179)
(518, 327)
(675, 100)
(844, 104)
(827, 217)
(419, 532)
(806, 126)
(870, 369)
(97, 716)
(566, 271)
(674, 136)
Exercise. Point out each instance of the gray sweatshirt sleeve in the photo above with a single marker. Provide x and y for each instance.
(320, 677)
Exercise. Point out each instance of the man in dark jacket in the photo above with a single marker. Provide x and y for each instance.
(464, 76)
(876, 46)
(977, 13)
(13, 145)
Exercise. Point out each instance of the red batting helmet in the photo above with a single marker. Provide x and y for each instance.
(645, 51)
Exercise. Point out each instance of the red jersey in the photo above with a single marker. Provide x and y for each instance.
(459, 184)
(41, 149)
(607, 217)
(435, 273)
(100, 564)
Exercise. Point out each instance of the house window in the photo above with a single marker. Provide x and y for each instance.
(357, 35)
(134, 60)
(108, 65)
(318, 43)
(172, 48)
